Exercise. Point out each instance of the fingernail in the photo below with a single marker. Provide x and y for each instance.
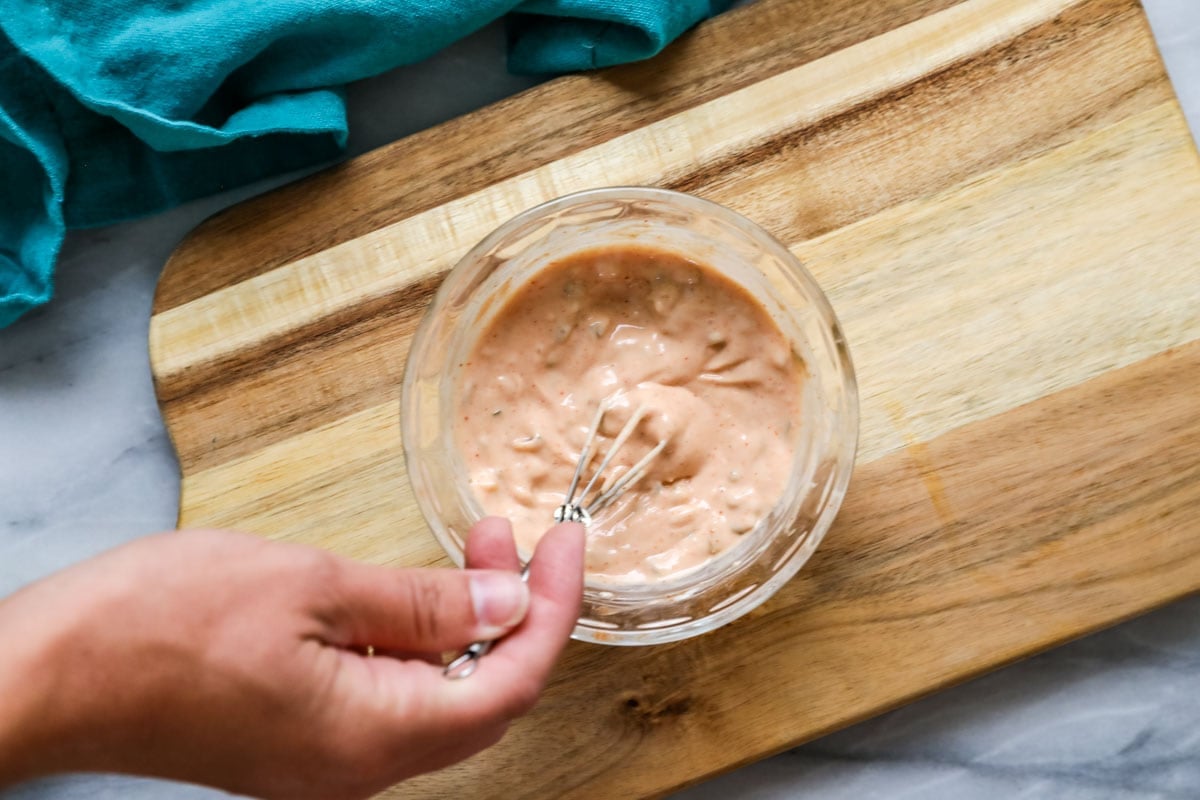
(500, 599)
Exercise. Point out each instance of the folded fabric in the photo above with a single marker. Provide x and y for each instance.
(113, 109)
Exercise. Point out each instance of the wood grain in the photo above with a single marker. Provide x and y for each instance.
(1002, 201)
(911, 591)
(278, 370)
(537, 127)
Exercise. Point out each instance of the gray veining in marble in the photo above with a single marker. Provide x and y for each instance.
(85, 464)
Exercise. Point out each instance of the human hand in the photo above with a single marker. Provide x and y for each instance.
(224, 659)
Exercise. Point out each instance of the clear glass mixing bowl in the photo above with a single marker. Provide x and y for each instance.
(744, 576)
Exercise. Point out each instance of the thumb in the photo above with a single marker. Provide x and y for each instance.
(423, 610)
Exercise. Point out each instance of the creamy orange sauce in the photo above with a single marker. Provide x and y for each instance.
(632, 326)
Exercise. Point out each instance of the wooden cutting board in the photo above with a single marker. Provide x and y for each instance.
(1002, 201)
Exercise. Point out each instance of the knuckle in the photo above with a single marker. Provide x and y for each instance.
(326, 586)
(320, 563)
(425, 602)
(318, 567)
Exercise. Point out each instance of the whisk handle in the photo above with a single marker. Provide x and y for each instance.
(466, 662)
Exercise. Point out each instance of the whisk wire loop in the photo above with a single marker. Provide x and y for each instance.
(580, 510)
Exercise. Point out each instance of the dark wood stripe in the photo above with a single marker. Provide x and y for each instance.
(1071, 513)
(540, 126)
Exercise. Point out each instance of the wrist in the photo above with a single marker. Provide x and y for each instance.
(31, 742)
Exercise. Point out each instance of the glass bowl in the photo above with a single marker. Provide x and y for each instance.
(744, 576)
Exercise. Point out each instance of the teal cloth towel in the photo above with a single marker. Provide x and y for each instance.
(113, 109)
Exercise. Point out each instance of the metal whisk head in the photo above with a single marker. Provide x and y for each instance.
(573, 510)
(581, 509)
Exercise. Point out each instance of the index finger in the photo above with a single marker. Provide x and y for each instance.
(508, 680)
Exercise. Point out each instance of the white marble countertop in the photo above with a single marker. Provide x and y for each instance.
(86, 465)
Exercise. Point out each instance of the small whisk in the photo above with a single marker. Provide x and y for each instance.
(581, 509)
(578, 509)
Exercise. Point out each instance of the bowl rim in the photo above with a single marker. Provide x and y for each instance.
(850, 428)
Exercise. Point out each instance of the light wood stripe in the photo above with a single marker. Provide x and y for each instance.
(988, 296)
(342, 486)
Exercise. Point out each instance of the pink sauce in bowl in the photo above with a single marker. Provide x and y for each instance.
(641, 298)
(632, 326)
